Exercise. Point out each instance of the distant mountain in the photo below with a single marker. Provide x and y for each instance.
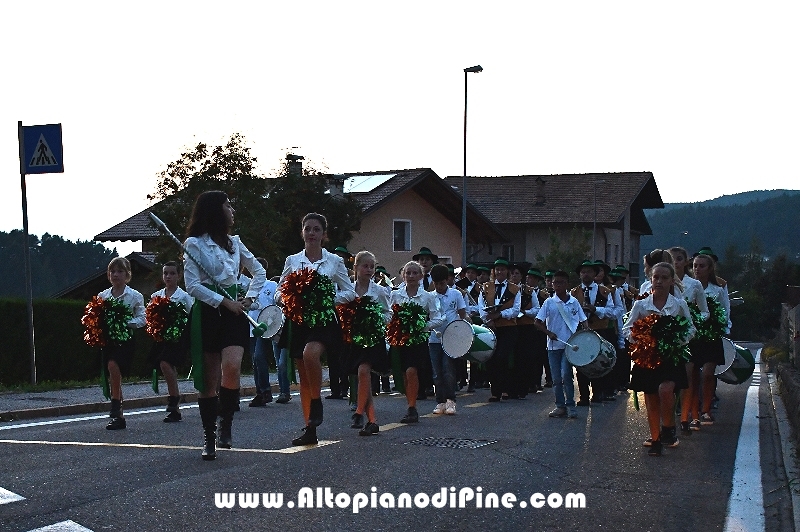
(768, 221)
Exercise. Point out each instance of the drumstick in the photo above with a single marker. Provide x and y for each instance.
(574, 347)
(258, 328)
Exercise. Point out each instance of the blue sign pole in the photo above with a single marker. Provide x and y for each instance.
(27, 251)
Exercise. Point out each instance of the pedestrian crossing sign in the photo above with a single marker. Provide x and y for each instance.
(42, 149)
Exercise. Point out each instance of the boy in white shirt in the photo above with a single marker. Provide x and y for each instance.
(452, 305)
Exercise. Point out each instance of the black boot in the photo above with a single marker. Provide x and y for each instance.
(315, 414)
(173, 413)
(228, 401)
(117, 421)
(208, 415)
(309, 436)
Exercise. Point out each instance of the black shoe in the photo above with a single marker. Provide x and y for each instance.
(358, 421)
(315, 415)
(209, 446)
(116, 423)
(582, 403)
(548, 384)
(685, 430)
(596, 399)
(309, 437)
(283, 399)
(172, 417)
(493, 399)
(369, 429)
(258, 400)
(334, 396)
(655, 449)
(470, 389)
(225, 440)
(668, 437)
(411, 416)
(267, 397)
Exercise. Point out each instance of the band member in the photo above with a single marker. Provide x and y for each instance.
(217, 356)
(117, 356)
(262, 349)
(709, 353)
(310, 341)
(621, 374)
(525, 350)
(538, 340)
(363, 359)
(559, 318)
(167, 355)
(414, 349)
(500, 303)
(451, 304)
(598, 305)
(658, 374)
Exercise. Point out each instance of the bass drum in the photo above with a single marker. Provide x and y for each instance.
(595, 356)
(461, 338)
(739, 364)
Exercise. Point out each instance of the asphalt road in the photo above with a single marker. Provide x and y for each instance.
(150, 476)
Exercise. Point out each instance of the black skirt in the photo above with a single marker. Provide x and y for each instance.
(121, 354)
(705, 351)
(376, 356)
(647, 380)
(329, 335)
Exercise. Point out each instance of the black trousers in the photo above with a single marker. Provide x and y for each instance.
(497, 367)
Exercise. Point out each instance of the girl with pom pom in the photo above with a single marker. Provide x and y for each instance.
(117, 355)
(659, 353)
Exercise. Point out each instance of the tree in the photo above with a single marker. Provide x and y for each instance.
(268, 210)
(567, 253)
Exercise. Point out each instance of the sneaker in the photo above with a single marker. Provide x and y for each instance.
(116, 423)
(706, 419)
(172, 417)
(412, 416)
(572, 412)
(439, 408)
(655, 449)
(358, 421)
(694, 424)
(258, 400)
(369, 429)
(558, 411)
(668, 437)
(685, 430)
(309, 437)
(450, 407)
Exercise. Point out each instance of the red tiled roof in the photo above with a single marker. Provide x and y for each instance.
(137, 227)
(568, 198)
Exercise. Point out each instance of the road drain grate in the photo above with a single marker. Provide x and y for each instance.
(452, 443)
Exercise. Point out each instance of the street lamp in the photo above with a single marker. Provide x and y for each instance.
(594, 225)
(474, 69)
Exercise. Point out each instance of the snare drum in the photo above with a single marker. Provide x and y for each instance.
(461, 338)
(273, 317)
(595, 356)
(739, 364)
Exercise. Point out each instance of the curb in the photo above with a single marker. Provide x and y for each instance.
(788, 447)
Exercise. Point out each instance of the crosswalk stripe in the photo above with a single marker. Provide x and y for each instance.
(8, 496)
(288, 450)
(63, 526)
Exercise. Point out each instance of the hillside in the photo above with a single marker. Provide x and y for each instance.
(769, 218)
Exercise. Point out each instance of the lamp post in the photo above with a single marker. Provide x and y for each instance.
(475, 69)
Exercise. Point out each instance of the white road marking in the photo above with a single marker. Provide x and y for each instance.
(63, 526)
(9, 496)
(288, 450)
(746, 503)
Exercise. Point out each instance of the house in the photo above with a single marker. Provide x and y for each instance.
(405, 210)
(145, 279)
(526, 208)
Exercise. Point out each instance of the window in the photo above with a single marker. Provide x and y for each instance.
(402, 235)
(508, 252)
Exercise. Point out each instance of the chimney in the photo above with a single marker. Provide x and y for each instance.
(294, 164)
(538, 191)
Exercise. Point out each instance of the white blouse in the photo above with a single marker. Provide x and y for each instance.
(693, 293)
(180, 296)
(427, 300)
(134, 300)
(330, 264)
(223, 267)
(674, 306)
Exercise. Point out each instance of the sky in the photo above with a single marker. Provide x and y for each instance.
(702, 94)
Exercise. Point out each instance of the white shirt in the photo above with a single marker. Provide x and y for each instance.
(450, 303)
(135, 302)
(693, 293)
(426, 300)
(223, 267)
(534, 310)
(265, 298)
(179, 296)
(720, 295)
(551, 316)
(675, 306)
(330, 265)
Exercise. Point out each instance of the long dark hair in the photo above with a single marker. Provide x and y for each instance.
(207, 217)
